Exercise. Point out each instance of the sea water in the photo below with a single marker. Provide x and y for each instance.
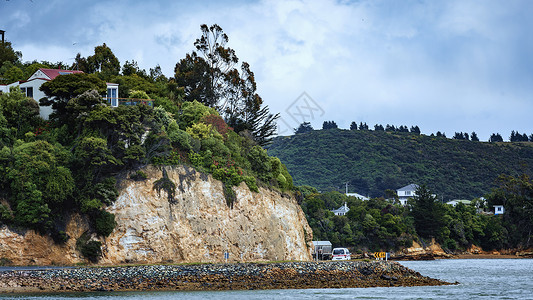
(478, 279)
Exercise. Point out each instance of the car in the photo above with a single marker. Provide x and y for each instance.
(341, 254)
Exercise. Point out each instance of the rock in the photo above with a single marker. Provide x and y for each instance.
(195, 226)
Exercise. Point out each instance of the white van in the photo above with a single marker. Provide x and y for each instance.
(341, 254)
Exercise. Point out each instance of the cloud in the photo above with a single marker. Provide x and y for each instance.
(442, 65)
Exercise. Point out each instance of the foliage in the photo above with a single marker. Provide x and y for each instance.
(138, 176)
(92, 250)
(209, 76)
(104, 223)
(8, 54)
(516, 195)
(428, 213)
(303, 128)
(375, 161)
(381, 225)
(69, 164)
(63, 88)
(329, 125)
(164, 183)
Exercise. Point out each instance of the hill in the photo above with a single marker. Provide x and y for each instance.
(374, 161)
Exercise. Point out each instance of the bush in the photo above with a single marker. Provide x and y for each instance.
(104, 223)
(138, 176)
(5, 214)
(251, 183)
(92, 250)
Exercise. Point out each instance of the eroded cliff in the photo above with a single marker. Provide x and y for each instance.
(193, 225)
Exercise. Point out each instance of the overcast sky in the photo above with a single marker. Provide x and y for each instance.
(442, 65)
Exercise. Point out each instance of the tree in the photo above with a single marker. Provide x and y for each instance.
(415, 129)
(305, 127)
(516, 194)
(473, 137)
(495, 137)
(20, 112)
(427, 212)
(353, 126)
(8, 54)
(130, 68)
(209, 76)
(379, 127)
(329, 125)
(104, 62)
(63, 88)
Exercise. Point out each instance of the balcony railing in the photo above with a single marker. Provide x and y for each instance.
(128, 101)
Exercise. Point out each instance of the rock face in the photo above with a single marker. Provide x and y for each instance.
(193, 225)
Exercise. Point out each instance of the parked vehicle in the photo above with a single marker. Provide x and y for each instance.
(341, 254)
(322, 250)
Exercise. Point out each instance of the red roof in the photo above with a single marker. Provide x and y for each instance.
(53, 73)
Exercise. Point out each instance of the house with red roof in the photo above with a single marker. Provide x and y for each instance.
(30, 87)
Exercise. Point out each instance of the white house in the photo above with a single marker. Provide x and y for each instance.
(408, 191)
(30, 87)
(356, 195)
(499, 210)
(455, 202)
(341, 211)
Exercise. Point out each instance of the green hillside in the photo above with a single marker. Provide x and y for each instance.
(374, 161)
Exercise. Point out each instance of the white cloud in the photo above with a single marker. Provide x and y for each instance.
(440, 65)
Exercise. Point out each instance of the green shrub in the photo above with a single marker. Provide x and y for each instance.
(164, 183)
(5, 214)
(138, 176)
(251, 183)
(229, 194)
(92, 250)
(104, 223)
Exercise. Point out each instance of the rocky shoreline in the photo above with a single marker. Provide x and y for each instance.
(240, 276)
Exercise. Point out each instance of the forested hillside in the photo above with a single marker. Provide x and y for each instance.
(374, 161)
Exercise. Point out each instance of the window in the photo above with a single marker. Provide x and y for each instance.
(112, 96)
(408, 193)
(23, 90)
(29, 92)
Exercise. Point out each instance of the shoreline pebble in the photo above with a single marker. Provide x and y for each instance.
(285, 275)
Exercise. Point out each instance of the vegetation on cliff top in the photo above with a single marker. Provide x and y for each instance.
(51, 168)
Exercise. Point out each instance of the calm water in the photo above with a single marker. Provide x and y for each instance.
(479, 279)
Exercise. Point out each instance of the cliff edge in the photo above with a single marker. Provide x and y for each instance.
(193, 224)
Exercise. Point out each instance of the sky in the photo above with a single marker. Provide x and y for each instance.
(449, 66)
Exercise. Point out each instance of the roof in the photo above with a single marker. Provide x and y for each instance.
(356, 195)
(457, 201)
(342, 209)
(411, 187)
(53, 73)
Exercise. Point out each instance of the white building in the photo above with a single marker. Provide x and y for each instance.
(341, 211)
(499, 210)
(408, 191)
(356, 195)
(30, 87)
(455, 202)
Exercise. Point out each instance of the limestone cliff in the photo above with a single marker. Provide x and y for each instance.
(195, 225)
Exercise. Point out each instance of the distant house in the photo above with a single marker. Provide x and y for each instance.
(341, 211)
(455, 202)
(408, 191)
(30, 87)
(499, 210)
(356, 195)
